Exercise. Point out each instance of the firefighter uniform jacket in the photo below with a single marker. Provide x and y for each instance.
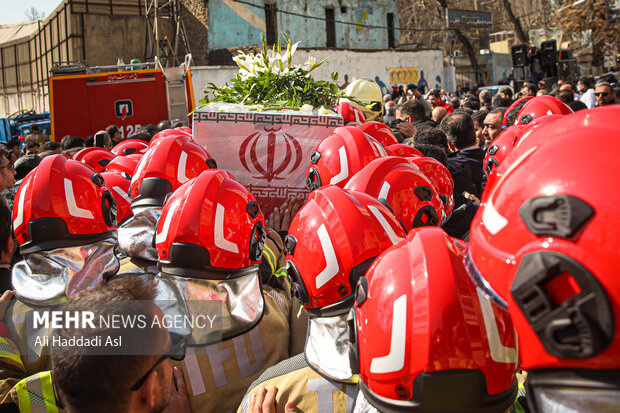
(298, 383)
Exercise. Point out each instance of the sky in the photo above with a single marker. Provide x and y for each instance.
(12, 11)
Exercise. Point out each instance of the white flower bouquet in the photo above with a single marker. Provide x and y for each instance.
(268, 81)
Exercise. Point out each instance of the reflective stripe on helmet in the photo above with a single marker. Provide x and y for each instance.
(35, 394)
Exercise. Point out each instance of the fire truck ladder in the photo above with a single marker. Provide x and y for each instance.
(176, 90)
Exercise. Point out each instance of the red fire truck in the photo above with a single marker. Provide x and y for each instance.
(84, 100)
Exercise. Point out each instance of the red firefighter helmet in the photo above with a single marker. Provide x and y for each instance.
(441, 178)
(96, 158)
(348, 229)
(539, 107)
(402, 149)
(546, 242)
(339, 156)
(350, 113)
(211, 222)
(500, 147)
(130, 147)
(164, 167)
(379, 131)
(125, 165)
(167, 133)
(119, 188)
(62, 203)
(510, 116)
(410, 195)
(424, 327)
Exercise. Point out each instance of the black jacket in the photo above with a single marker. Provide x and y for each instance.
(472, 159)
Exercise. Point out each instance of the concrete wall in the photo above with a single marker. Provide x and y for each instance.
(110, 37)
(233, 24)
(353, 64)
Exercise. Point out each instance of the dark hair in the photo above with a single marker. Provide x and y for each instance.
(26, 164)
(425, 135)
(588, 81)
(435, 93)
(413, 108)
(576, 105)
(459, 129)
(479, 116)
(531, 87)
(463, 109)
(506, 91)
(69, 142)
(50, 146)
(11, 143)
(565, 96)
(78, 374)
(30, 144)
(501, 110)
(499, 101)
(472, 102)
(431, 151)
(34, 127)
(112, 129)
(164, 124)
(177, 123)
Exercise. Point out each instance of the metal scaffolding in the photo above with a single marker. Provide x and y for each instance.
(165, 32)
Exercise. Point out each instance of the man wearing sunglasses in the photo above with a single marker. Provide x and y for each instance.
(136, 377)
(604, 94)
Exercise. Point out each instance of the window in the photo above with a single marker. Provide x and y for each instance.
(330, 26)
(390, 24)
(271, 21)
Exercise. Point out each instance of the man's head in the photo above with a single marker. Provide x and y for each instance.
(506, 92)
(7, 173)
(493, 124)
(13, 146)
(585, 83)
(434, 98)
(529, 89)
(438, 114)
(114, 133)
(25, 164)
(411, 111)
(485, 97)
(102, 139)
(31, 148)
(565, 96)
(34, 129)
(55, 147)
(567, 86)
(140, 381)
(604, 94)
(455, 103)
(459, 129)
(478, 117)
(390, 108)
(426, 135)
(70, 142)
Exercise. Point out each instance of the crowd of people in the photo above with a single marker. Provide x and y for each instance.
(455, 253)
